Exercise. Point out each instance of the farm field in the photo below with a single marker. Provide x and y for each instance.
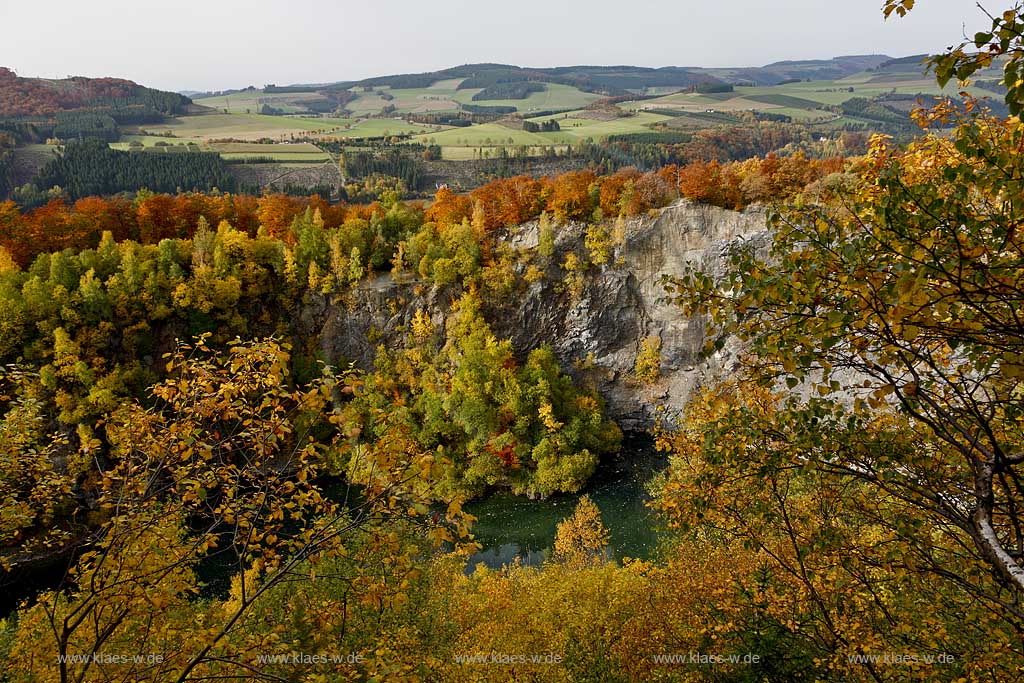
(436, 98)
(250, 101)
(203, 128)
(444, 96)
(573, 130)
(801, 99)
(212, 126)
(300, 152)
(484, 135)
(284, 157)
(373, 128)
(555, 96)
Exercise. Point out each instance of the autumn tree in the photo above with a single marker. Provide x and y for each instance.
(901, 298)
(581, 538)
(223, 466)
(545, 236)
(449, 207)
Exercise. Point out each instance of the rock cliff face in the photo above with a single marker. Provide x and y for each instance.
(597, 335)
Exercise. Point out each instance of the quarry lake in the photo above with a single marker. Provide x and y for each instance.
(510, 527)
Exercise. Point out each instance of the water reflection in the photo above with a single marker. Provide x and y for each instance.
(510, 527)
(498, 556)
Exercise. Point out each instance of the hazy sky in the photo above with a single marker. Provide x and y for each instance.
(215, 44)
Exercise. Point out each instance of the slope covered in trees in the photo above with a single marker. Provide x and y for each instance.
(35, 97)
(90, 167)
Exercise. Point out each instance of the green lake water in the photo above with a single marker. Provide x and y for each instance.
(510, 527)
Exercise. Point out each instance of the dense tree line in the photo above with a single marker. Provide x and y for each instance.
(388, 161)
(503, 202)
(90, 167)
(549, 126)
(707, 88)
(865, 108)
(488, 109)
(509, 91)
(82, 123)
(459, 120)
(722, 144)
(7, 144)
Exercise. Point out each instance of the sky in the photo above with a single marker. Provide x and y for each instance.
(219, 44)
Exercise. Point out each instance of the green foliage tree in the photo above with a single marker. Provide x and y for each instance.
(1002, 41)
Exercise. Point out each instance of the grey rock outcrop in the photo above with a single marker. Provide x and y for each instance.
(597, 335)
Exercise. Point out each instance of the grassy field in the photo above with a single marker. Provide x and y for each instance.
(211, 126)
(573, 130)
(408, 101)
(802, 99)
(444, 96)
(555, 96)
(283, 157)
(781, 100)
(250, 101)
(374, 128)
(252, 127)
(484, 135)
(577, 129)
(300, 152)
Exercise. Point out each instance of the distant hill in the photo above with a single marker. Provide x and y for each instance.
(605, 80)
(813, 69)
(28, 98)
(612, 80)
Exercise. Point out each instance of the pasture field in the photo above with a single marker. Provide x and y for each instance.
(199, 131)
(406, 101)
(444, 96)
(255, 147)
(782, 100)
(802, 99)
(484, 135)
(250, 101)
(576, 129)
(375, 128)
(555, 96)
(212, 126)
(284, 157)
(573, 130)
(300, 152)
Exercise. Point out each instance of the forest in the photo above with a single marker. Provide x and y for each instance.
(199, 490)
(34, 98)
(509, 91)
(90, 168)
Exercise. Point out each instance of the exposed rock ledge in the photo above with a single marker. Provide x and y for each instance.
(621, 304)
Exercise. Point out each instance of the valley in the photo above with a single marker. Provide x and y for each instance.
(494, 373)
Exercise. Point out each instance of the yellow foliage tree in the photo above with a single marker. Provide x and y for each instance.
(582, 538)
